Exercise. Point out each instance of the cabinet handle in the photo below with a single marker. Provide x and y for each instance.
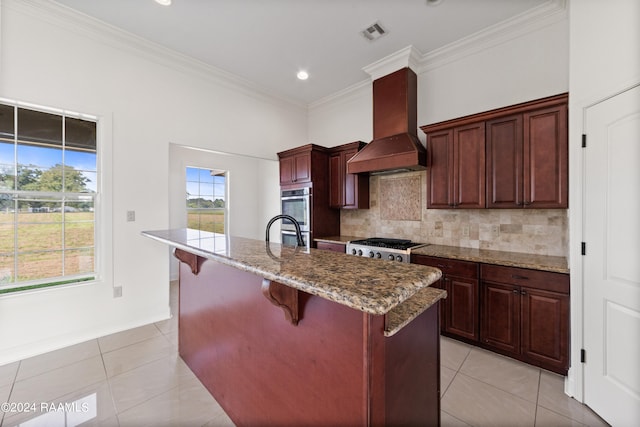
(515, 291)
(523, 292)
(441, 266)
(517, 276)
(527, 203)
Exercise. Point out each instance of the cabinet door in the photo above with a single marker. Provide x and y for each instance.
(545, 329)
(469, 166)
(500, 319)
(302, 168)
(286, 170)
(440, 186)
(545, 158)
(336, 188)
(462, 315)
(350, 192)
(504, 162)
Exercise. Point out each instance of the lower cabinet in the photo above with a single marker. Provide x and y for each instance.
(525, 314)
(517, 312)
(329, 246)
(459, 311)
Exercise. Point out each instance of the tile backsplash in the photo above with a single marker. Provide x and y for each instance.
(536, 231)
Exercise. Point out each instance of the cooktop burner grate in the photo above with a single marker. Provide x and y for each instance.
(382, 242)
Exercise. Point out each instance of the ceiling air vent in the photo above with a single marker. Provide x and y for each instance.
(374, 32)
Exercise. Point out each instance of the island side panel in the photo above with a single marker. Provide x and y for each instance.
(260, 367)
(412, 372)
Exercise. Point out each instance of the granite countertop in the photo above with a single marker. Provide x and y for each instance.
(555, 264)
(371, 286)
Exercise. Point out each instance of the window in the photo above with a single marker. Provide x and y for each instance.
(206, 199)
(48, 189)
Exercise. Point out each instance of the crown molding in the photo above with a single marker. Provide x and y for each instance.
(408, 57)
(549, 13)
(343, 96)
(71, 20)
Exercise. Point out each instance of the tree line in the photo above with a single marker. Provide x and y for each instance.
(32, 178)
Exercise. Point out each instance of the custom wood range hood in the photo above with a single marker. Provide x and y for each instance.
(395, 146)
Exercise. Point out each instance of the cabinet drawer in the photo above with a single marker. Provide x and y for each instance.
(544, 280)
(335, 247)
(449, 266)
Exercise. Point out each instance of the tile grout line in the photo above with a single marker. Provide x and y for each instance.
(535, 415)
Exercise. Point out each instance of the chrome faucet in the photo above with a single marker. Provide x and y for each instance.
(295, 224)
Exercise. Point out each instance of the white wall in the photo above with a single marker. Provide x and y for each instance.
(531, 63)
(604, 60)
(253, 190)
(145, 98)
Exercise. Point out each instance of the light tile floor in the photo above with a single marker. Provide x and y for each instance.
(136, 378)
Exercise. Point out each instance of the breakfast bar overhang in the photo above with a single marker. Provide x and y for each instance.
(282, 336)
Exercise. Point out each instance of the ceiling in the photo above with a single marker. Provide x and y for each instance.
(267, 41)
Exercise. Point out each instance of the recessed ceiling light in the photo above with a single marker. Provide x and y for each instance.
(434, 2)
(164, 2)
(302, 75)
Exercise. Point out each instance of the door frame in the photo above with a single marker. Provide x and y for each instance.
(574, 383)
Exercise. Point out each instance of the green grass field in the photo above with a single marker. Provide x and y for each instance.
(206, 219)
(40, 245)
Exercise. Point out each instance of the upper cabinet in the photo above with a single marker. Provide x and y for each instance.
(303, 165)
(521, 152)
(295, 168)
(456, 167)
(527, 159)
(347, 191)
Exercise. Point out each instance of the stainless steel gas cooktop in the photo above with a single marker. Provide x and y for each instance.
(383, 248)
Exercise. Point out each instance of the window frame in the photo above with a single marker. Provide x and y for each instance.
(225, 195)
(95, 197)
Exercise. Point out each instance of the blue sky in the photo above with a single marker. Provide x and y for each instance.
(45, 158)
(201, 183)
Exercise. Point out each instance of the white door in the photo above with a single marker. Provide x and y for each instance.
(612, 260)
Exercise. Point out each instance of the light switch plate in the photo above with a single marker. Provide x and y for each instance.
(131, 216)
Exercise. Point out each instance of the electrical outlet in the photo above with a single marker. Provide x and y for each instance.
(495, 229)
(131, 216)
(117, 291)
(465, 231)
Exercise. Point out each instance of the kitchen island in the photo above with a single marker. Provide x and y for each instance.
(280, 336)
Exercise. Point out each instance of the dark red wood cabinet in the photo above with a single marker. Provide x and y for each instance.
(346, 190)
(525, 314)
(517, 312)
(527, 158)
(308, 166)
(295, 168)
(330, 246)
(521, 151)
(456, 167)
(459, 311)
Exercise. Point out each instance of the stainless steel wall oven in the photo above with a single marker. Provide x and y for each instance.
(296, 203)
